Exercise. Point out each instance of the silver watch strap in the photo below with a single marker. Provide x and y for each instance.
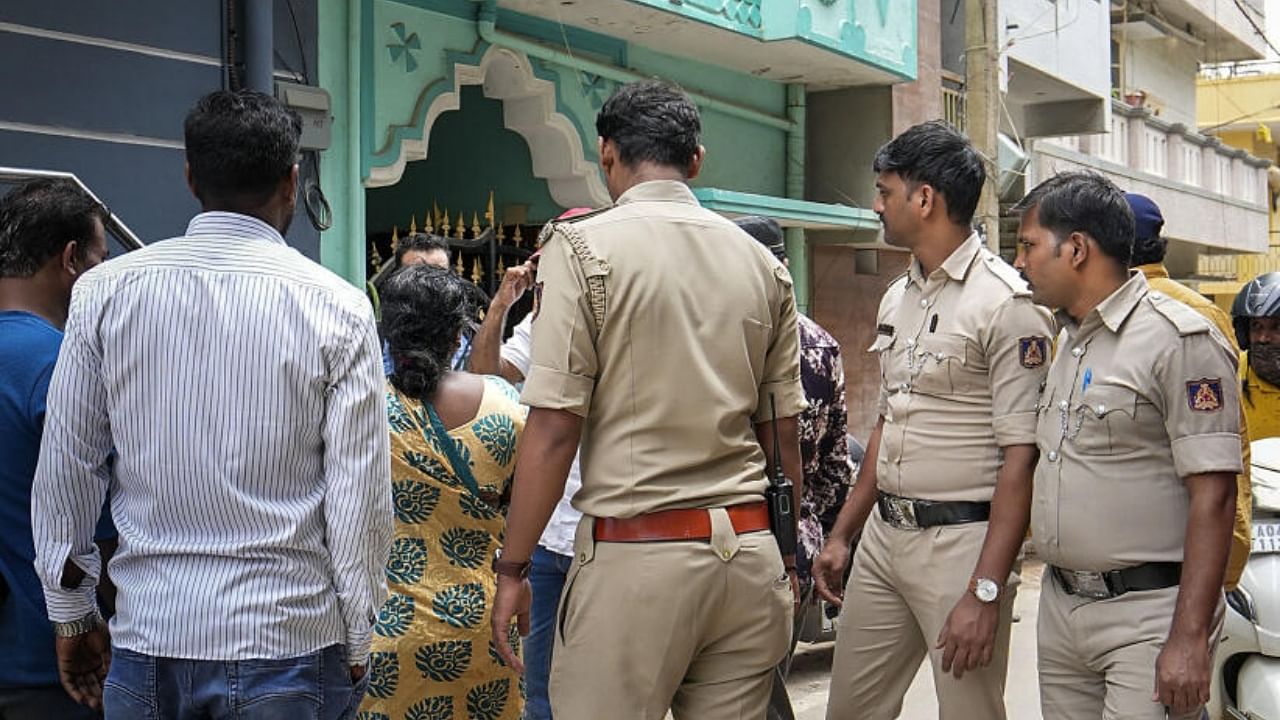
(78, 627)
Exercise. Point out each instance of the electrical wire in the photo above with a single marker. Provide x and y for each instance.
(1254, 23)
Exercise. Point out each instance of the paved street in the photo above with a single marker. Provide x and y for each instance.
(811, 670)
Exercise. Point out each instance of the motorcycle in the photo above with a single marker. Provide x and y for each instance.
(1246, 673)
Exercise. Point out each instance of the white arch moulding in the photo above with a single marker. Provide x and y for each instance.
(528, 108)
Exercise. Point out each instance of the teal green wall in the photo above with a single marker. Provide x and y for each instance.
(404, 91)
(340, 171)
(470, 153)
(741, 155)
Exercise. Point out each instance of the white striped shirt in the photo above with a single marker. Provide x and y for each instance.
(241, 387)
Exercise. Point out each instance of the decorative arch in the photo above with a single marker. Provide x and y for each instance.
(529, 109)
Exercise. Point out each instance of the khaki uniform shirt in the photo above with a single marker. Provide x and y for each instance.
(1140, 396)
(962, 356)
(1241, 535)
(699, 330)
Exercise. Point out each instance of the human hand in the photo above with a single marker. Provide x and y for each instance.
(357, 673)
(83, 662)
(512, 600)
(514, 284)
(828, 571)
(968, 637)
(1182, 673)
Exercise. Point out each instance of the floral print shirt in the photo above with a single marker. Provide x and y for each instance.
(824, 449)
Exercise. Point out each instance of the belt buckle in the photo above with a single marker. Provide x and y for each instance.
(1085, 583)
(902, 512)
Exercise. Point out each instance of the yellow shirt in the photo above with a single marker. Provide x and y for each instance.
(1159, 281)
(1261, 402)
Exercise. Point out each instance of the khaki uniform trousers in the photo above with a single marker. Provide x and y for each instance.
(696, 627)
(1098, 657)
(903, 585)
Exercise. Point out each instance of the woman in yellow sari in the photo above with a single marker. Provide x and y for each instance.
(453, 449)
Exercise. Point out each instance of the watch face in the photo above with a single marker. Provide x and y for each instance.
(987, 590)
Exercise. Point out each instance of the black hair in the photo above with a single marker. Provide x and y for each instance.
(1147, 251)
(419, 242)
(651, 121)
(934, 154)
(240, 146)
(37, 221)
(1084, 202)
(424, 311)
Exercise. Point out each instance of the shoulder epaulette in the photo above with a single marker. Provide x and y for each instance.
(1007, 274)
(1186, 320)
(594, 269)
(550, 227)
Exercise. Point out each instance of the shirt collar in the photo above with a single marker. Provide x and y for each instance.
(1113, 311)
(956, 266)
(658, 191)
(1153, 270)
(232, 225)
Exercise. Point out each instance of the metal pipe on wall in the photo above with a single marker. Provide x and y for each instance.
(259, 45)
(797, 248)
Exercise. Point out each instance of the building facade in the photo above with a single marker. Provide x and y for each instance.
(1238, 106)
(483, 111)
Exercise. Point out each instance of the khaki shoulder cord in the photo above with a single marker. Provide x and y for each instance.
(593, 269)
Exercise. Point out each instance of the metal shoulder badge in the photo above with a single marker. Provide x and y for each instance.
(1033, 351)
(1205, 394)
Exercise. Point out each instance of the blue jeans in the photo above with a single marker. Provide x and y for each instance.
(311, 687)
(547, 578)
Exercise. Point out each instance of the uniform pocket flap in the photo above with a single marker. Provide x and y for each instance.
(1100, 400)
(944, 346)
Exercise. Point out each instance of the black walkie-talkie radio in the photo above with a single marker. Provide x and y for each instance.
(780, 494)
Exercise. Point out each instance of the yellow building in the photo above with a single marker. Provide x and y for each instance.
(1243, 112)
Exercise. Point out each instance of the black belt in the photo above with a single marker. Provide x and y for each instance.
(913, 514)
(1114, 583)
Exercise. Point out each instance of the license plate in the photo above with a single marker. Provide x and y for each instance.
(1266, 537)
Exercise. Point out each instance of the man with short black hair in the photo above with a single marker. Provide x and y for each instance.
(962, 354)
(239, 385)
(1138, 430)
(422, 249)
(678, 596)
(51, 233)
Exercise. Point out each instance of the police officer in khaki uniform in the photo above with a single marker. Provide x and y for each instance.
(963, 351)
(1138, 430)
(665, 336)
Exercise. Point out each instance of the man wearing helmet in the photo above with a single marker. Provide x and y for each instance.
(1256, 317)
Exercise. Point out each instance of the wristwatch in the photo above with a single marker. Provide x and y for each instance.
(511, 568)
(78, 627)
(985, 589)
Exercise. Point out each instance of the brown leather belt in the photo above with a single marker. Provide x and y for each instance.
(691, 524)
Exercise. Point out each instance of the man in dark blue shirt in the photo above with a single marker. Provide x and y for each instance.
(51, 232)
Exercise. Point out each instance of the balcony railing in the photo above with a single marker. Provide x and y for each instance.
(953, 100)
(1140, 141)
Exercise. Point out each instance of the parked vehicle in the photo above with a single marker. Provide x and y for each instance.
(1246, 677)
